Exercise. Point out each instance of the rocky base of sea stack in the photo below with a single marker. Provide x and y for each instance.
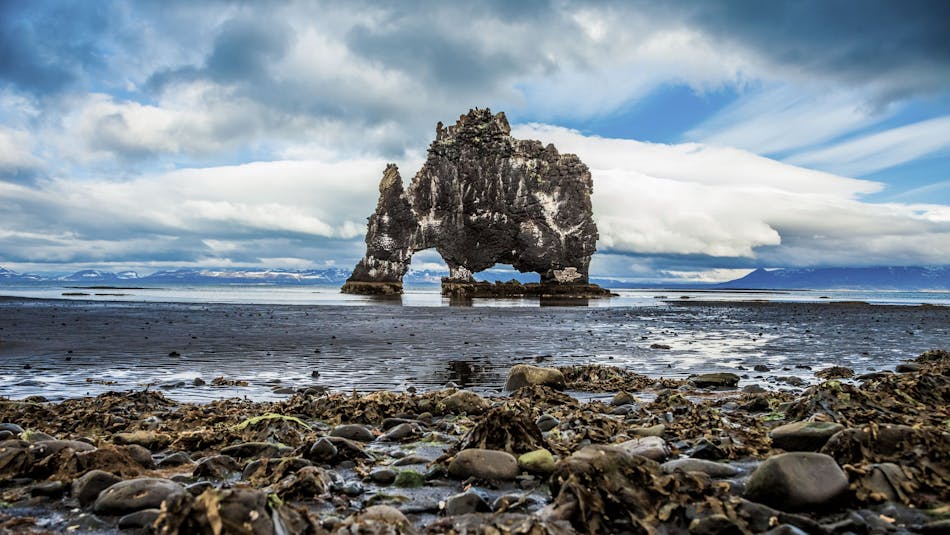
(372, 288)
(467, 289)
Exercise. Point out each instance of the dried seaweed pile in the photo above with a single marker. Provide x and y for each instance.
(597, 378)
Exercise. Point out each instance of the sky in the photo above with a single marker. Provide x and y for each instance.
(722, 136)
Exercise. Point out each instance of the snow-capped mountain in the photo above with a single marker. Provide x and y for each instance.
(93, 275)
(907, 278)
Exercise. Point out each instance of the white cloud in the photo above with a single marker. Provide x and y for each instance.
(786, 117)
(16, 154)
(699, 200)
(881, 150)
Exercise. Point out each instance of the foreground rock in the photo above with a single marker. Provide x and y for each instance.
(803, 436)
(715, 380)
(484, 464)
(798, 481)
(136, 494)
(523, 375)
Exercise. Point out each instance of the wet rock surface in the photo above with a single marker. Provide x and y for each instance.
(482, 198)
(485, 464)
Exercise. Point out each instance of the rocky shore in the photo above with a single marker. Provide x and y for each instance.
(868, 454)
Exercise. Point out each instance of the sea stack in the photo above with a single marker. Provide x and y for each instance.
(483, 198)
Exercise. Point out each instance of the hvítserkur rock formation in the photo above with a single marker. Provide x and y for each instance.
(483, 198)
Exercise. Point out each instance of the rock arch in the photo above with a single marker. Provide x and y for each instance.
(483, 197)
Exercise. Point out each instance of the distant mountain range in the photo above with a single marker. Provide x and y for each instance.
(863, 278)
(871, 278)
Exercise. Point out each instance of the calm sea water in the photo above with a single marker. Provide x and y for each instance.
(428, 296)
(277, 337)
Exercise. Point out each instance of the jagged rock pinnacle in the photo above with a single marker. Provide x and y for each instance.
(481, 198)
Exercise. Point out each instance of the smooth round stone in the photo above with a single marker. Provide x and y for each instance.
(537, 462)
(523, 375)
(803, 436)
(715, 380)
(87, 488)
(216, 467)
(654, 448)
(467, 402)
(175, 459)
(547, 422)
(710, 468)
(465, 503)
(134, 495)
(383, 476)
(797, 481)
(11, 427)
(484, 464)
(323, 450)
(359, 433)
(398, 433)
(139, 519)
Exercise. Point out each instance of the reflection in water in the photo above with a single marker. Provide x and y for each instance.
(465, 373)
(458, 301)
(385, 299)
(561, 301)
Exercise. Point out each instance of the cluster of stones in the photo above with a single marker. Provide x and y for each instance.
(483, 198)
(703, 457)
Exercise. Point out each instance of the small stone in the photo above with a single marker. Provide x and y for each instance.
(484, 464)
(400, 432)
(546, 422)
(797, 481)
(523, 375)
(537, 462)
(12, 428)
(803, 436)
(134, 495)
(835, 372)
(383, 476)
(715, 380)
(175, 459)
(761, 368)
(409, 479)
(140, 455)
(357, 432)
(87, 487)
(710, 468)
(623, 398)
(45, 448)
(660, 346)
(216, 467)
(411, 459)
(139, 519)
(907, 367)
(467, 402)
(199, 381)
(49, 489)
(323, 451)
(654, 448)
(465, 503)
(706, 449)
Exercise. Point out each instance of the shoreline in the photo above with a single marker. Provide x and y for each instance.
(338, 461)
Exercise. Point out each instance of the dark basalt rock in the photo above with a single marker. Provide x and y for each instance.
(482, 198)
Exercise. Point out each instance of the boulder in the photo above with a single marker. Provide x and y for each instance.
(537, 462)
(710, 468)
(523, 375)
(798, 481)
(653, 448)
(715, 380)
(465, 401)
(803, 436)
(87, 487)
(136, 494)
(484, 464)
(465, 503)
(359, 433)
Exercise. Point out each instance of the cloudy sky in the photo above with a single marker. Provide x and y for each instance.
(722, 135)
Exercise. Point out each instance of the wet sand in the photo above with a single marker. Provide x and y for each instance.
(60, 349)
